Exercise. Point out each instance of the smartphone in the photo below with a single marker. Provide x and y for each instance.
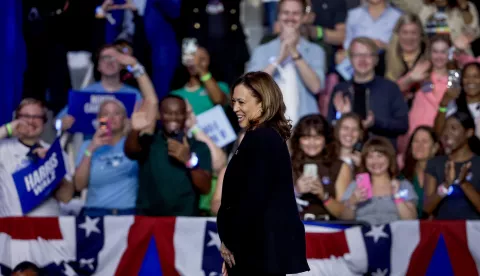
(178, 136)
(310, 170)
(104, 123)
(364, 182)
(358, 147)
(454, 79)
(189, 48)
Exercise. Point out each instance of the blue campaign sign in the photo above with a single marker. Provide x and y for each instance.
(83, 106)
(36, 182)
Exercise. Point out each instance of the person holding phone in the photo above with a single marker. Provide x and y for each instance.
(258, 221)
(376, 196)
(319, 181)
(173, 169)
(102, 167)
(377, 101)
(427, 99)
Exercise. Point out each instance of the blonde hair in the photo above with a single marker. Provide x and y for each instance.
(395, 66)
(32, 101)
(366, 42)
(122, 107)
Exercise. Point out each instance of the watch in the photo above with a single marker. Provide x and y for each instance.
(193, 161)
(138, 70)
(298, 57)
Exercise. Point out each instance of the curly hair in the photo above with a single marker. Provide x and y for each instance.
(266, 91)
(311, 123)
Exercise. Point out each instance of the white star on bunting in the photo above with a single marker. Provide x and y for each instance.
(68, 270)
(380, 272)
(90, 226)
(87, 262)
(376, 233)
(214, 240)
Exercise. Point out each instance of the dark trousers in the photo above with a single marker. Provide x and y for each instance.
(243, 271)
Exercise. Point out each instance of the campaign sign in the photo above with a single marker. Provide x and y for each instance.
(215, 124)
(36, 182)
(84, 106)
(345, 69)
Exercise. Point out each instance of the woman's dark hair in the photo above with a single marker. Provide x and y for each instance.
(23, 266)
(384, 146)
(450, 3)
(335, 147)
(461, 101)
(266, 91)
(410, 162)
(304, 127)
(467, 122)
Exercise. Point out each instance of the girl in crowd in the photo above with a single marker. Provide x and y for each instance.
(390, 199)
(423, 145)
(451, 17)
(452, 181)
(319, 182)
(465, 99)
(103, 168)
(407, 64)
(428, 97)
(348, 138)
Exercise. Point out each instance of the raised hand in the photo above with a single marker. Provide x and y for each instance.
(420, 71)
(316, 187)
(449, 173)
(369, 121)
(19, 128)
(303, 186)
(179, 151)
(101, 138)
(342, 103)
(201, 61)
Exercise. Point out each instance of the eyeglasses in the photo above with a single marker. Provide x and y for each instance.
(107, 58)
(33, 117)
(362, 55)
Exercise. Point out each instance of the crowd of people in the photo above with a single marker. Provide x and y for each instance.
(384, 98)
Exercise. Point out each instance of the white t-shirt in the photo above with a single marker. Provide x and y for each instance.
(13, 157)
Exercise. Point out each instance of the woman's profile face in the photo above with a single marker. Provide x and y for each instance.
(312, 144)
(423, 146)
(245, 105)
(349, 133)
(454, 135)
(377, 163)
(471, 80)
(409, 37)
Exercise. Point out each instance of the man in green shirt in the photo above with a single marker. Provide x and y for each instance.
(174, 170)
(202, 91)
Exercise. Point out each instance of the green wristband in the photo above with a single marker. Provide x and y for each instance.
(442, 109)
(319, 33)
(88, 153)
(206, 77)
(9, 129)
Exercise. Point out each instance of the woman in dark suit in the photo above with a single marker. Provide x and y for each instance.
(258, 220)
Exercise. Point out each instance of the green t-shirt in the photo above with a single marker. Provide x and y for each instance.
(165, 185)
(199, 98)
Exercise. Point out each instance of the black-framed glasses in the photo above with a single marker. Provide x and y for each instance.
(29, 116)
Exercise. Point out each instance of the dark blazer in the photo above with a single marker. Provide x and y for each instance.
(258, 220)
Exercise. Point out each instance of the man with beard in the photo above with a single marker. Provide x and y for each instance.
(296, 64)
(174, 170)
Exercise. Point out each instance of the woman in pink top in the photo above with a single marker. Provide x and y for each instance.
(427, 98)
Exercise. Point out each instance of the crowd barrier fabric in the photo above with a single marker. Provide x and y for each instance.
(132, 245)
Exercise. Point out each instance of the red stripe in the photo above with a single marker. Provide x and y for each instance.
(138, 239)
(324, 245)
(164, 237)
(455, 235)
(420, 259)
(30, 228)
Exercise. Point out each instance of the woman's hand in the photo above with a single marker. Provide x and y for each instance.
(201, 61)
(451, 94)
(358, 196)
(356, 158)
(369, 121)
(420, 71)
(227, 256)
(303, 184)
(101, 138)
(449, 173)
(464, 172)
(316, 188)
(395, 186)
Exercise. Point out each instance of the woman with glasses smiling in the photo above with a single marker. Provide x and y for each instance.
(20, 145)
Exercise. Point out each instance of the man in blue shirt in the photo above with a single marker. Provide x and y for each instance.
(297, 65)
(110, 81)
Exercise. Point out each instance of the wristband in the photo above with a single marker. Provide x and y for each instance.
(193, 162)
(138, 70)
(338, 115)
(326, 201)
(9, 129)
(88, 153)
(99, 12)
(206, 77)
(319, 33)
(442, 109)
(442, 191)
(194, 130)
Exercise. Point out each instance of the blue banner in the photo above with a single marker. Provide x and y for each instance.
(37, 181)
(83, 106)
